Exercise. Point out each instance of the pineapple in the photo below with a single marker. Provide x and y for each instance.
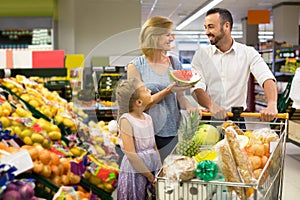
(189, 125)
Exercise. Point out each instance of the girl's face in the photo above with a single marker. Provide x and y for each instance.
(145, 95)
(165, 41)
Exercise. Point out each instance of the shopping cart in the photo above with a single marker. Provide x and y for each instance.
(267, 187)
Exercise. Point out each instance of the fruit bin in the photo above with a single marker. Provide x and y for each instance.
(43, 187)
(34, 112)
(46, 189)
(96, 190)
(62, 87)
(268, 185)
(37, 114)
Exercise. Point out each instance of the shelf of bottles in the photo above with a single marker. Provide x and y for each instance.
(22, 39)
(288, 59)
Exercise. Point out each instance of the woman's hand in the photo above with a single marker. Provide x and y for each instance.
(173, 87)
(191, 109)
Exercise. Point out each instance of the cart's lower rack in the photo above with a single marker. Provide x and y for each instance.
(196, 189)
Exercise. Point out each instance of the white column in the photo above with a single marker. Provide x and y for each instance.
(286, 22)
(250, 33)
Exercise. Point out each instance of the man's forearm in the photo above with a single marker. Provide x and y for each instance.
(202, 98)
(270, 90)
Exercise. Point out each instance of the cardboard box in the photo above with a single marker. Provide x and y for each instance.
(294, 130)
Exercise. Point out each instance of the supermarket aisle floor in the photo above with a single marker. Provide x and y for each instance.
(291, 186)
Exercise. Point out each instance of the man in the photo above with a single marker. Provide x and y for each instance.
(226, 66)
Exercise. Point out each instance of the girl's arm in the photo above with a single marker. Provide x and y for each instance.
(132, 72)
(129, 148)
(156, 149)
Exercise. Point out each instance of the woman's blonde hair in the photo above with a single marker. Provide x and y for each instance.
(126, 95)
(152, 29)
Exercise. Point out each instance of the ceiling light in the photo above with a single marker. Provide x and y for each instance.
(182, 15)
(198, 14)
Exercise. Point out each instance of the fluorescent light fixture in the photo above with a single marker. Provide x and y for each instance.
(188, 32)
(198, 14)
(265, 32)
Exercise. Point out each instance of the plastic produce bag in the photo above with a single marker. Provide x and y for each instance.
(179, 168)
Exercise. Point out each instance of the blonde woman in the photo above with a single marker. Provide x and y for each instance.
(152, 68)
(141, 159)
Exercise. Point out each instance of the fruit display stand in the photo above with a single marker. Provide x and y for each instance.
(57, 127)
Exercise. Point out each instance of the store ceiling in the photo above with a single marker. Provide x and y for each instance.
(177, 10)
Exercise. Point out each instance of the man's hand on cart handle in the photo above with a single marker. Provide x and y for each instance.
(269, 113)
(217, 111)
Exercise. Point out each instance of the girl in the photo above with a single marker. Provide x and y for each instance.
(141, 159)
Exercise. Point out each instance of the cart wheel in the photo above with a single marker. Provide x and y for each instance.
(194, 191)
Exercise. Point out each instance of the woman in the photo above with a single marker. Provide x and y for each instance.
(153, 69)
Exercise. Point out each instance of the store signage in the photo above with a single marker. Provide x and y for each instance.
(258, 16)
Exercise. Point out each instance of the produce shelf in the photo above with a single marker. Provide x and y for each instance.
(96, 190)
(40, 72)
(43, 187)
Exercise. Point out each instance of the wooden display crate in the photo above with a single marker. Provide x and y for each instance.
(294, 131)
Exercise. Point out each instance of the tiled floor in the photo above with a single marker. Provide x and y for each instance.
(291, 177)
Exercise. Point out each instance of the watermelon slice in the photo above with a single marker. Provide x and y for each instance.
(184, 77)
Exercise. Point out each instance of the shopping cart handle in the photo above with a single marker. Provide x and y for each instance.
(249, 114)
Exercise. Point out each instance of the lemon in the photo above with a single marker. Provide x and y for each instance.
(26, 132)
(27, 140)
(46, 143)
(7, 106)
(76, 151)
(95, 180)
(205, 155)
(101, 123)
(54, 135)
(25, 97)
(58, 119)
(68, 122)
(5, 121)
(17, 130)
(108, 187)
(248, 133)
(37, 138)
(34, 103)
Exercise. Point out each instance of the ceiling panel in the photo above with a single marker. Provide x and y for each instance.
(177, 10)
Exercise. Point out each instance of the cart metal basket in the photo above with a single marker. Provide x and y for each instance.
(264, 188)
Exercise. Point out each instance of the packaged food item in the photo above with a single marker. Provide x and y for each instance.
(179, 168)
(241, 158)
(229, 168)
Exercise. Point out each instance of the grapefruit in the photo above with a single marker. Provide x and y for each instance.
(184, 77)
(206, 134)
